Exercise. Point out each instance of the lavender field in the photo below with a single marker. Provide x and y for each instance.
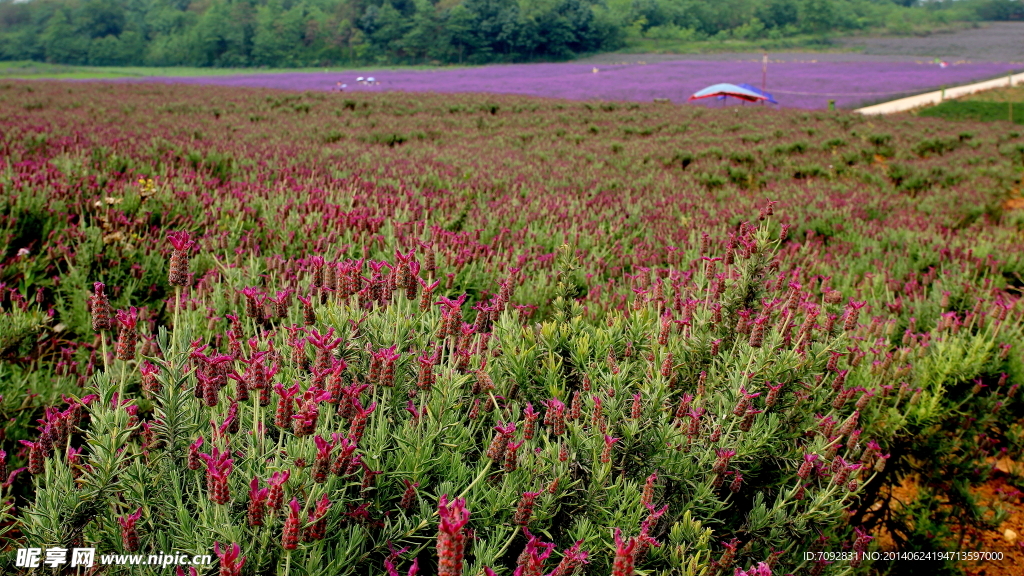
(805, 84)
(308, 334)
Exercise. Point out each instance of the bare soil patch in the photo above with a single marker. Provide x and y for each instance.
(993, 42)
(615, 58)
(989, 42)
(1007, 539)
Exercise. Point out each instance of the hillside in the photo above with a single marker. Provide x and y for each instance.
(299, 33)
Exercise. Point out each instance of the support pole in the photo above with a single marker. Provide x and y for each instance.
(764, 71)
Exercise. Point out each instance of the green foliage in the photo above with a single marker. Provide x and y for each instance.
(711, 180)
(613, 298)
(938, 146)
(682, 159)
(975, 111)
(19, 331)
(308, 33)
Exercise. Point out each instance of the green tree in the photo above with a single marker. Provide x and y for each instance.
(278, 33)
(779, 13)
(105, 51)
(20, 44)
(496, 24)
(312, 32)
(223, 35)
(238, 37)
(165, 20)
(386, 27)
(60, 43)
(458, 23)
(423, 31)
(171, 50)
(100, 18)
(817, 16)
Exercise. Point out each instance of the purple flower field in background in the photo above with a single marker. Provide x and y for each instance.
(808, 84)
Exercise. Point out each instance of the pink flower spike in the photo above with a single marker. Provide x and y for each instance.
(389, 562)
(624, 555)
(128, 318)
(14, 474)
(404, 257)
(451, 538)
(228, 558)
(129, 535)
(181, 240)
(453, 304)
(130, 519)
(323, 447)
(428, 287)
(255, 492)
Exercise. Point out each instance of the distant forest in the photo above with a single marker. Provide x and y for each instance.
(298, 33)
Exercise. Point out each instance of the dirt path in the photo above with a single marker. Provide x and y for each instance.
(930, 98)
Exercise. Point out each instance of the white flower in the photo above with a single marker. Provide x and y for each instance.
(23, 252)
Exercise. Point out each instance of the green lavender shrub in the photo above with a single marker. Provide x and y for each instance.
(705, 388)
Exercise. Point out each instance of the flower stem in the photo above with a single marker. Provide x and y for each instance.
(124, 376)
(507, 544)
(177, 307)
(256, 421)
(103, 349)
(479, 477)
(423, 523)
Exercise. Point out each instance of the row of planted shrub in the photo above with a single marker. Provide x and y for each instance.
(363, 344)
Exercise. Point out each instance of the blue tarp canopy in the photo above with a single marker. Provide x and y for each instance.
(766, 95)
(743, 92)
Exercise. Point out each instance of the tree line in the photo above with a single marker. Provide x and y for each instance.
(297, 33)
